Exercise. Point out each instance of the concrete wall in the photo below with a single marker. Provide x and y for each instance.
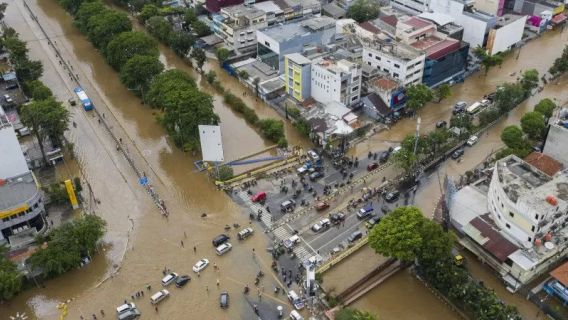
(504, 38)
(407, 72)
(555, 145)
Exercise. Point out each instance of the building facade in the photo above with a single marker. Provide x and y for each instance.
(237, 25)
(506, 34)
(215, 6)
(336, 81)
(297, 75)
(400, 61)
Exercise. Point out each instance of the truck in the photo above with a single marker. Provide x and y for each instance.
(85, 101)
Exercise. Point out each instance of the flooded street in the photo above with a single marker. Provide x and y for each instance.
(147, 242)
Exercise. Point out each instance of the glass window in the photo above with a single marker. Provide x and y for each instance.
(508, 226)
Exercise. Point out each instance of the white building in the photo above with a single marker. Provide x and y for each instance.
(237, 26)
(411, 6)
(336, 80)
(398, 60)
(506, 34)
(557, 136)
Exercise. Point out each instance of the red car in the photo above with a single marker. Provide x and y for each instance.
(321, 205)
(372, 166)
(260, 196)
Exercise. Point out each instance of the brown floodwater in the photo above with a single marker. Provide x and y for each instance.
(154, 242)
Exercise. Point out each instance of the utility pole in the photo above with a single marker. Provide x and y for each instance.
(418, 121)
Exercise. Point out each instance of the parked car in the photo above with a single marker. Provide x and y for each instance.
(365, 212)
(8, 98)
(301, 170)
(224, 300)
(337, 218)
(168, 279)
(200, 265)
(441, 124)
(245, 233)
(287, 205)
(356, 235)
(322, 225)
(11, 85)
(459, 107)
(258, 197)
(182, 280)
(316, 175)
(321, 205)
(125, 307)
(372, 166)
(391, 196)
(220, 239)
(458, 153)
(159, 296)
(224, 248)
(295, 315)
(373, 221)
(295, 300)
(472, 140)
(291, 242)
(384, 157)
(129, 314)
(312, 154)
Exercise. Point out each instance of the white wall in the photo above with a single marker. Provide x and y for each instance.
(12, 161)
(407, 72)
(263, 39)
(555, 145)
(326, 87)
(474, 30)
(504, 38)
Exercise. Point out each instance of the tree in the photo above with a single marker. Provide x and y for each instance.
(28, 70)
(148, 11)
(159, 27)
(417, 96)
(200, 28)
(353, 314)
(222, 55)
(199, 56)
(10, 277)
(211, 76)
(512, 137)
(256, 82)
(181, 43)
(461, 120)
(139, 71)
(165, 85)
(71, 5)
(87, 10)
(47, 119)
(488, 61)
(529, 80)
(272, 129)
(404, 159)
(363, 10)
(128, 44)
(436, 244)
(533, 124)
(545, 107)
(243, 74)
(560, 65)
(103, 27)
(398, 234)
(508, 96)
(36, 90)
(225, 173)
(442, 92)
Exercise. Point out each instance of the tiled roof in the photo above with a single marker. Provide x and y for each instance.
(561, 274)
(492, 240)
(378, 104)
(544, 163)
(369, 27)
(390, 20)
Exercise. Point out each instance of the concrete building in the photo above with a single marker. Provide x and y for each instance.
(536, 7)
(215, 6)
(444, 24)
(236, 25)
(398, 60)
(282, 11)
(413, 7)
(297, 75)
(517, 222)
(555, 145)
(386, 96)
(507, 33)
(279, 40)
(22, 213)
(336, 81)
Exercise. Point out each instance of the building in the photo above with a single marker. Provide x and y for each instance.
(22, 213)
(400, 61)
(236, 25)
(279, 40)
(282, 11)
(444, 24)
(516, 222)
(446, 57)
(555, 145)
(413, 7)
(336, 81)
(506, 33)
(334, 11)
(214, 6)
(536, 7)
(297, 75)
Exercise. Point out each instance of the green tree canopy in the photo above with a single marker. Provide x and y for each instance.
(159, 27)
(128, 44)
(354, 314)
(26, 69)
(512, 137)
(222, 55)
(139, 71)
(533, 124)
(71, 5)
(36, 90)
(200, 28)
(529, 80)
(165, 85)
(417, 96)
(442, 92)
(181, 43)
(508, 96)
(461, 120)
(47, 119)
(404, 159)
(560, 65)
(10, 277)
(148, 11)
(272, 129)
(488, 61)
(545, 107)
(398, 234)
(363, 10)
(103, 27)
(199, 56)
(87, 10)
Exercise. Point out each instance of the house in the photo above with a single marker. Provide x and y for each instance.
(555, 145)
(236, 25)
(335, 80)
(297, 75)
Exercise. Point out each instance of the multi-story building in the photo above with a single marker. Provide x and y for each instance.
(396, 59)
(336, 81)
(297, 76)
(22, 213)
(237, 25)
(555, 145)
(411, 6)
(279, 40)
(506, 34)
(215, 6)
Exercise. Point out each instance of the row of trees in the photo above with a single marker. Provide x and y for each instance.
(10, 277)
(417, 96)
(560, 65)
(26, 69)
(407, 235)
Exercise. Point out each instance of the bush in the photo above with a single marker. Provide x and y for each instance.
(225, 173)
(77, 184)
(57, 194)
(303, 126)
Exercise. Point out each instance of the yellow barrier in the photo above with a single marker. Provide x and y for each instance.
(326, 266)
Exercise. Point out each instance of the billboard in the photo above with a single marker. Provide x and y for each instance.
(211, 143)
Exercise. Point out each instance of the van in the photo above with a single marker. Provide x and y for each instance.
(474, 108)
(258, 197)
(159, 296)
(245, 233)
(295, 300)
(129, 314)
(168, 279)
(125, 307)
(355, 236)
(220, 239)
(224, 248)
(295, 315)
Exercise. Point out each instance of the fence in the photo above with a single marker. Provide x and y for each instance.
(326, 266)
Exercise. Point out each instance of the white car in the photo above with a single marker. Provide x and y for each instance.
(8, 98)
(224, 248)
(321, 225)
(125, 307)
(472, 140)
(396, 149)
(168, 279)
(200, 265)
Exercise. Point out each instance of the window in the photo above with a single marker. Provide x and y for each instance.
(356, 78)
(502, 206)
(354, 98)
(378, 58)
(395, 75)
(508, 226)
(511, 214)
(396, 65)
(369, 63)
(532, 229)
(370, 55)
(536, 217)
(354, 89)
(35, 205)
(267, 44)
(530, 239)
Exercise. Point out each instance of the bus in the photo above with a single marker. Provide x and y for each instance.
(474, 107)
(85, 101)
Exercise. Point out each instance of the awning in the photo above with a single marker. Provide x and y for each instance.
(559, 18)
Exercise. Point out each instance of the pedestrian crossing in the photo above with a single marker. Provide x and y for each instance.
(300, 250)
(266, 218)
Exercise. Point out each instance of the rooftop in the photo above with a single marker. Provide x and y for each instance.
(385, 84)
(508, 19)
(393, 48)
(336, 66)
(416, 23)
(241, 10)
(488, 236)
(561, 274)
(391, 20)
(17, 190)
(377, 102)
(544, 163)
(435, 47)
(285, 32)
(298, 59)
(518, 177)
(369, 27)
(268, 6)
(334, 10)
(440, 19)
